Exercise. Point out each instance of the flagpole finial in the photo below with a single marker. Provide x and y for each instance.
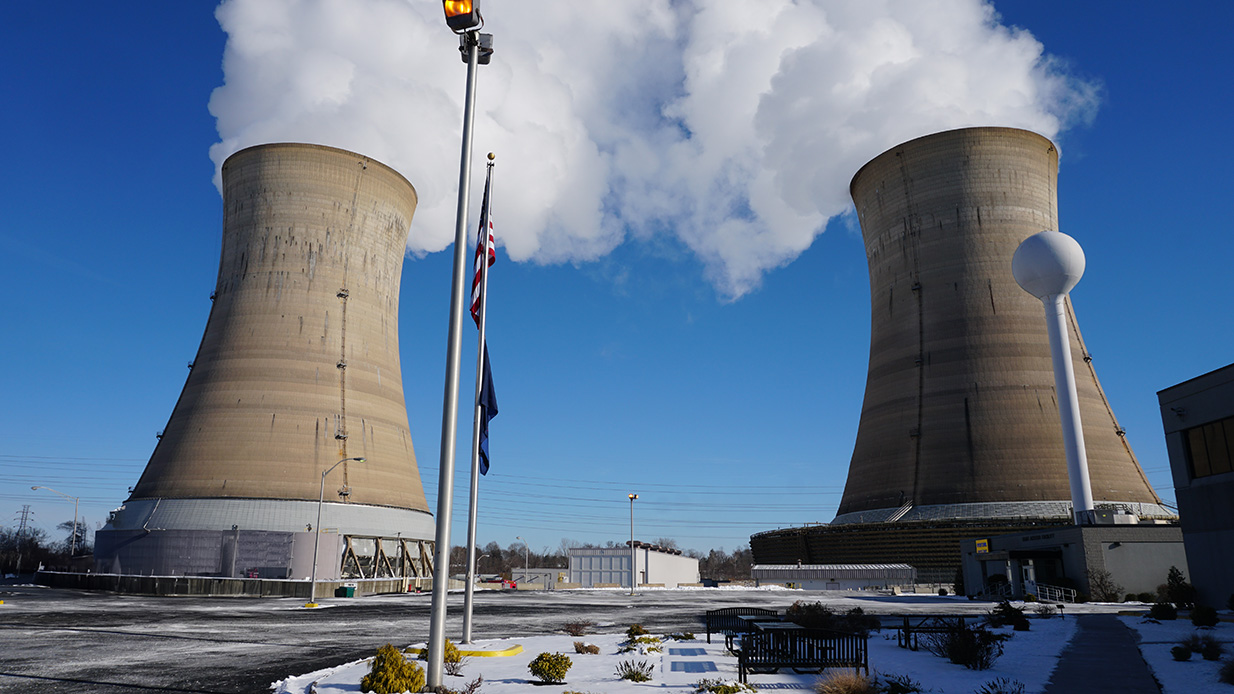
(491, 156)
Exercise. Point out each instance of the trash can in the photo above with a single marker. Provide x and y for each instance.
(345, 592)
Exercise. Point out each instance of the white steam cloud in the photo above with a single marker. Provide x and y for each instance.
(732, 125)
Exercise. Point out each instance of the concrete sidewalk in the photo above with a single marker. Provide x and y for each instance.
(1102, 657)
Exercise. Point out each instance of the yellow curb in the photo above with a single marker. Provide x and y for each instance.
(512, 650)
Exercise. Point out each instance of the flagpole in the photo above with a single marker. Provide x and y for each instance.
(449, 417)
(478, 411)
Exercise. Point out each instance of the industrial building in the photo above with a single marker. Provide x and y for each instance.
(1198, 417)
(297, 375)
(959, 434)
(835, 576)
(609, 567)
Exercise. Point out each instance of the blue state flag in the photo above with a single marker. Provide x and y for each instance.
(488, 410)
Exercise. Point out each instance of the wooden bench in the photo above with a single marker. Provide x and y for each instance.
(803, 650)
(727, 620)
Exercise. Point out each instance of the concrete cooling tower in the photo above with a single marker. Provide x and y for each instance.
(959, 431)
(298, 370)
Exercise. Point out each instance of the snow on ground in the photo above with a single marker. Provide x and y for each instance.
(1029, 657)
(1195, 676)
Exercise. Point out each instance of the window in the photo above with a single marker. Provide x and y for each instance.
(1209, 448)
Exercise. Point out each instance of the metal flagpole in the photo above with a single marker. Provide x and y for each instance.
(449, 416)
(485, 215)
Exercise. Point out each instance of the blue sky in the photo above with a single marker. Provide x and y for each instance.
(640, 359)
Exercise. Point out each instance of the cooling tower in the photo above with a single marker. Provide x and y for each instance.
(960, 418)
(298, 369)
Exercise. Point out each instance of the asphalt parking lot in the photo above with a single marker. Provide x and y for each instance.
(74, 641)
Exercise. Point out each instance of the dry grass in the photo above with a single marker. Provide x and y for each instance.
(845, 682)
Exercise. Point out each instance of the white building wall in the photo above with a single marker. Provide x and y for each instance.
(611, 565)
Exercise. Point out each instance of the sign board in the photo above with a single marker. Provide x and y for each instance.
(983, 546)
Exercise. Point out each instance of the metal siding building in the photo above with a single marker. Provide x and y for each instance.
(835, 576)
(610, 566)
(298, 368)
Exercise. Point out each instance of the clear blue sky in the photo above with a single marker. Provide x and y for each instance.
(633, 370)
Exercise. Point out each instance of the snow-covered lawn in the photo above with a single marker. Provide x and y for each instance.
(1029, 657)
(1195, 676)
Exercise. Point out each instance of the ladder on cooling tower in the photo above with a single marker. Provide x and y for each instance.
(908, 506)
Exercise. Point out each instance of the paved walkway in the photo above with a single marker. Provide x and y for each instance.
(1102, 657)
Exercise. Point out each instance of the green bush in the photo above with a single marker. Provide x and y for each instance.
(586, 648)
(1005, 614)
(550, 667)
(1002, 685)
(680, 636)
(1204, 616)
(1178, 590)
(1163, 612)
(1181, 652)
(392, 673)
(720, 687)
(635, 630)
(451, 654)
(635, 671)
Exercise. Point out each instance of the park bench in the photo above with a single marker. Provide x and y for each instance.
(728, 620)
(908, 632)
(766, 650)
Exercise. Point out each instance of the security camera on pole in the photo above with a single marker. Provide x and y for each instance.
(463, 17)
(1048, 265)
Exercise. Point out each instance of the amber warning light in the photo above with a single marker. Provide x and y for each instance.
(462, 15)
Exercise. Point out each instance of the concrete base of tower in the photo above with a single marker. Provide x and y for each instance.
(263, 538)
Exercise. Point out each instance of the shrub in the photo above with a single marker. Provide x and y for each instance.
(845, 682)
(451, 654)
(976, 648)
(550, 667)
(1101, 586)
(819, 616)
(1045, 611)
(1163, 611)
(1226, 673)
(942, 592)
(470, 688)
(1212, 650)
(392, 673)
(1029, 597)
(642, 644)
(635, 630)
(1204, 616)
(577, 628)
(1181, 653)
(1002, 685)
(1144, 597)
(635, 671)
(1129, 597)
(1178, 590)
(1007, 614)
(900, 684)
(721, 687)
(680, 636)
(586, 648)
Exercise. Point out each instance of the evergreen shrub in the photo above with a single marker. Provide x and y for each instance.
(550, 667)
(391, 673)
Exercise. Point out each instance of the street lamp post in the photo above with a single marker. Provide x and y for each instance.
(463, 18)
(73, 540)
(526, 554)
(633, 554)
(321, 495)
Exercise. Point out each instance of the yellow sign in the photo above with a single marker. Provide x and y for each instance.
(983, 546)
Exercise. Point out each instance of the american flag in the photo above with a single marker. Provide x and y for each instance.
(486, 225)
